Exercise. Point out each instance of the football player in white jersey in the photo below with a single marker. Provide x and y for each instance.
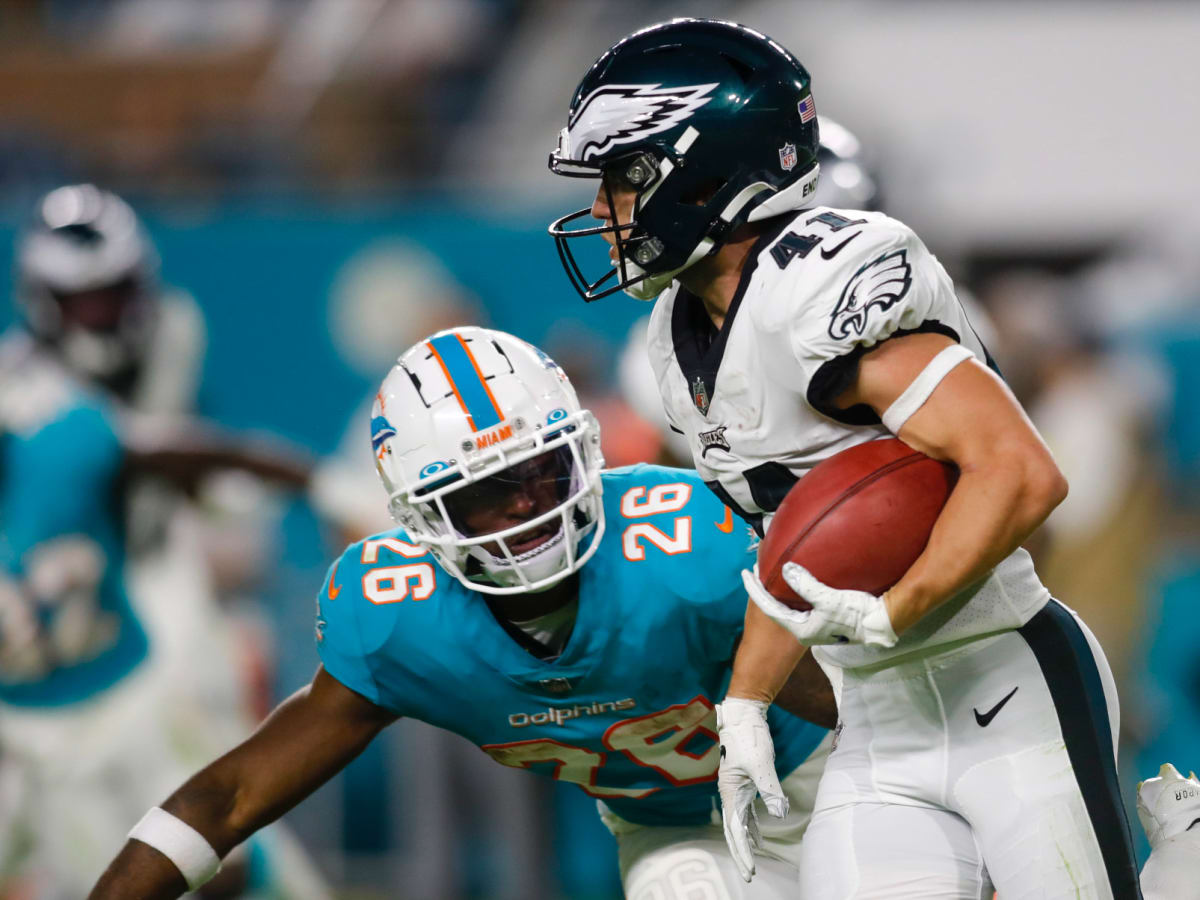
(978, 717)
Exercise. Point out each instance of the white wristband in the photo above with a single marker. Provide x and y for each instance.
(922, 386)
(179, 842)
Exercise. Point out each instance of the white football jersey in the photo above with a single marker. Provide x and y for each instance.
(755, 399)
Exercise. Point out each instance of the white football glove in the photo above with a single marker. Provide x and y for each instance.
(747, 769)
(837, 616)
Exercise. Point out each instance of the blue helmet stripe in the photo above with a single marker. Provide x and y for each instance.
(466, 381)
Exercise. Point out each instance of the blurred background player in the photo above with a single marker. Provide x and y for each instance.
(566, 619)
(88, 286)
(114, 636)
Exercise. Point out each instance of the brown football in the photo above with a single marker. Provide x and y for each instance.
(857, 520)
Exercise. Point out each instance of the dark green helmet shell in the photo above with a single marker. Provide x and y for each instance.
(722, 115)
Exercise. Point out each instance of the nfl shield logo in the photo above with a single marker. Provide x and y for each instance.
(787, 157)
(700, 395)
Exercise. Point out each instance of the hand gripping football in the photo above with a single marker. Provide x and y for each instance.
(857, 520)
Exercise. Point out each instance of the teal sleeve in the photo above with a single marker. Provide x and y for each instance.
(60, 479)
(338, 630)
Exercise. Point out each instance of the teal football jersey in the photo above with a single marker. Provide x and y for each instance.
(626, 711)
(63, 637)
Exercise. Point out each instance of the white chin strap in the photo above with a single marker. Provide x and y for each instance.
(795, 196)
(653, 285)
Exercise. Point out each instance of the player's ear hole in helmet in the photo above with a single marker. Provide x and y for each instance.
(489, 461)
(710, 124)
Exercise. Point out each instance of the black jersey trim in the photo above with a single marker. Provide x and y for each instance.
(769, 483)
(699, 346)
(837, 374)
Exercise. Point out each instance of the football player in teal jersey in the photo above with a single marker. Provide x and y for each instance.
(569, 620)
(86, 720)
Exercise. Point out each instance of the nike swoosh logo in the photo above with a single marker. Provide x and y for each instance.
(333, 590)
(985, 719)
(726, 525)
(830, 254)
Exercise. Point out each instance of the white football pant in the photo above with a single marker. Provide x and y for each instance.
(990, 765)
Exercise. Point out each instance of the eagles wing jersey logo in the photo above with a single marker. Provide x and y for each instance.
(624, 113)
(880, 284)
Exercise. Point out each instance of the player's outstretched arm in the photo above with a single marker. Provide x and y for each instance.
(1008, 481)
(307, 739)
(183, 451)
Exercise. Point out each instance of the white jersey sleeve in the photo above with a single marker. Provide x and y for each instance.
(885, 283)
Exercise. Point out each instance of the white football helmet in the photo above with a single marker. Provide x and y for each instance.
(85, 242)
(489, 461)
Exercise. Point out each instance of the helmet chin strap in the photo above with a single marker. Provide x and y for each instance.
(795, 196)
(651, 286)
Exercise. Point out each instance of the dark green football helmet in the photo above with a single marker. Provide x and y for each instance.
(711, 123)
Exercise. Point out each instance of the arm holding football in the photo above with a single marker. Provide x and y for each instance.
(307, 739)
(1008, 481)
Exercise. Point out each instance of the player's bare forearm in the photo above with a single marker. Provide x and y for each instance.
(185, 450)
(991, 511)
(808, 694)
(764, 660)
(1008, 481)
(310, 737)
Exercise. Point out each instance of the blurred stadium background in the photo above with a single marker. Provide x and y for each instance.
(329, 180)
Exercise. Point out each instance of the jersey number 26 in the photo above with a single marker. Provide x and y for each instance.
(638, 502)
